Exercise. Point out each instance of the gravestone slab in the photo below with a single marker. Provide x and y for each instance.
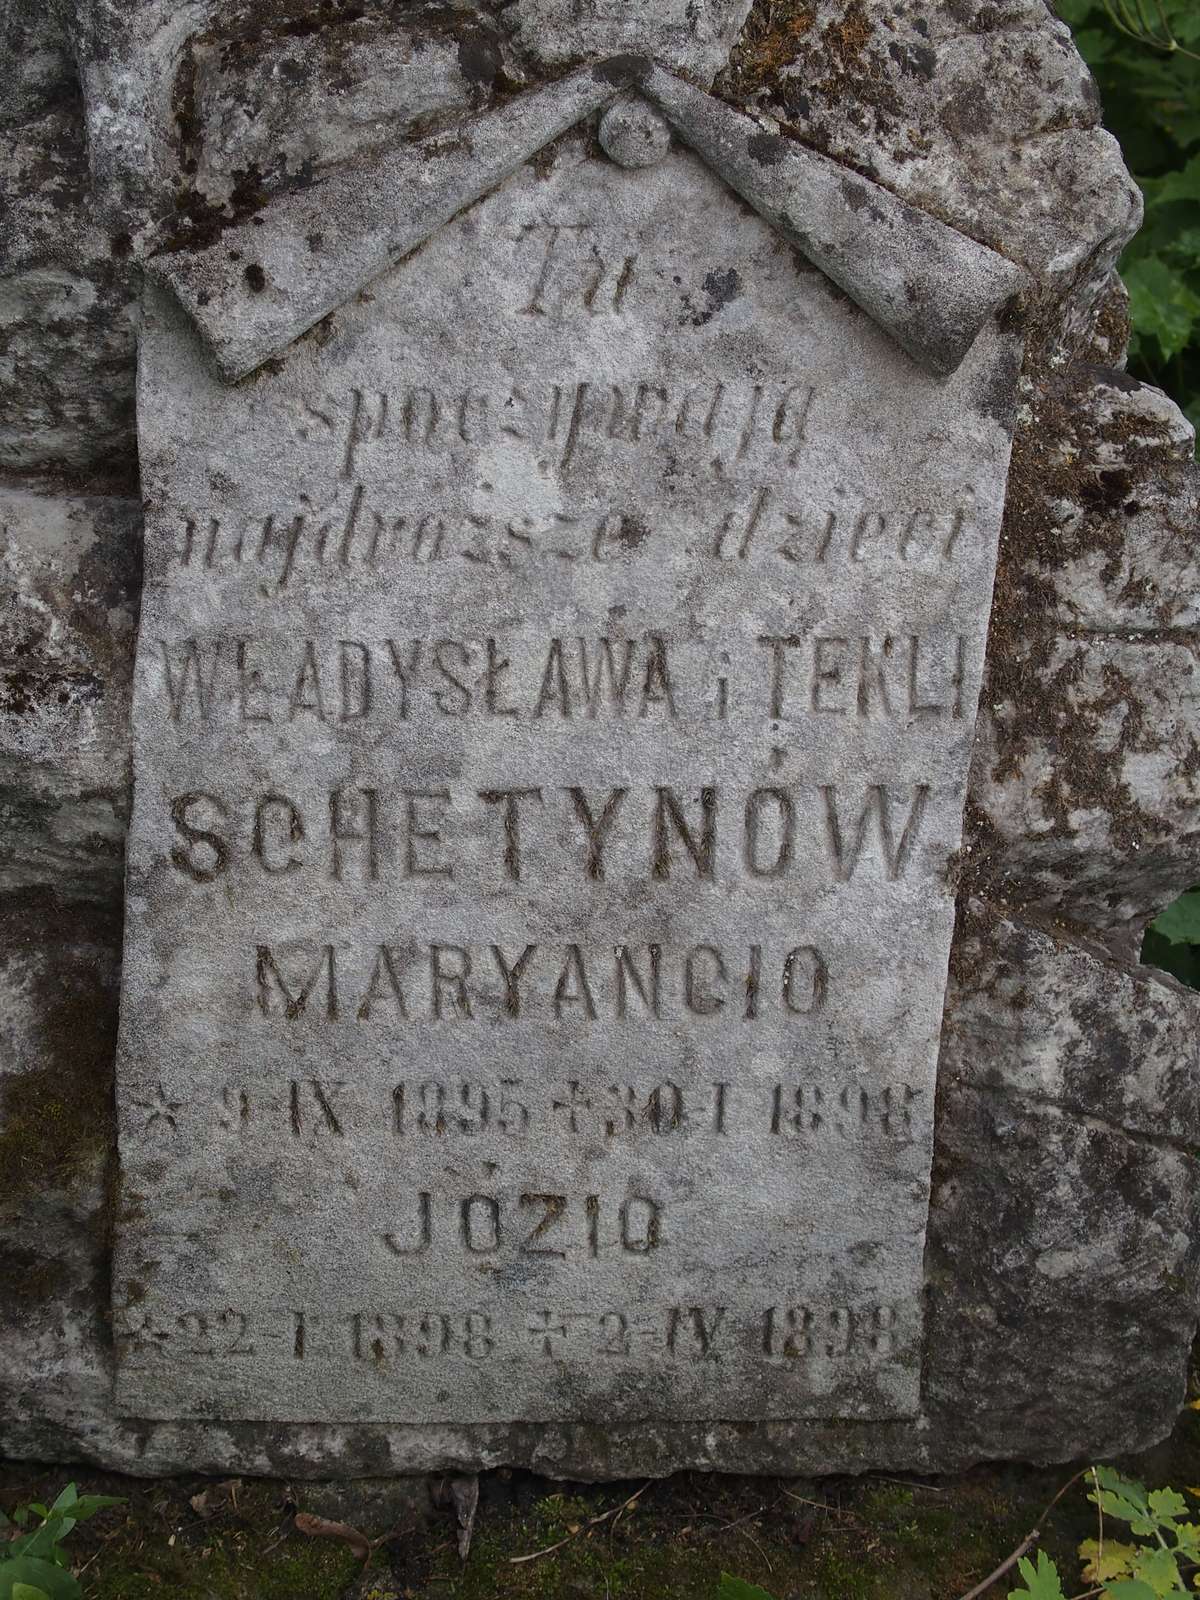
(556, 682)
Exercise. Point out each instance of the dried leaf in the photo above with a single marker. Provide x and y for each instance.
(322, 1528)
(209, 1502)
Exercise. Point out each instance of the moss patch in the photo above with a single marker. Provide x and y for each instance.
(56, 1118)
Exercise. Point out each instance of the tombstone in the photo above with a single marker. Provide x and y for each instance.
(571, 532)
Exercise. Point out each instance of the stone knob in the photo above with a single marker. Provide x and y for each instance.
(634, 134)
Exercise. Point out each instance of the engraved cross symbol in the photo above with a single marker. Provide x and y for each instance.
(544, 1327)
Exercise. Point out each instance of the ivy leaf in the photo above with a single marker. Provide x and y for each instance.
(1162, 304)
(1112, 1559)
(1041, 1582)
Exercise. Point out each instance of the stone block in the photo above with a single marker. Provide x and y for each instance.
(1014, 117)
(72, 569)
(1088, 793)
(59, 972)
(274, 105)
(1063, 1254)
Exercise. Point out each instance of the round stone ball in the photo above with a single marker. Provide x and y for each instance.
(634, 134)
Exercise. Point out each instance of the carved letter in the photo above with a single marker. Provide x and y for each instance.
(703, 853)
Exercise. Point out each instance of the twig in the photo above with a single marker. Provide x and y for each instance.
(592, 1522)
(737, 1521)
(1030, 1539)
(907, 1483)
(746, 1534)
(1005, 1566)
(822, 1505)
(536, 1555)
(107, 1539)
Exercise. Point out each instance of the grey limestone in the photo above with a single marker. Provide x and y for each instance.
(690, 36)
(267, 281)
(1086, 776)
(287, 105)
(1061, 1196)
(1063, 1260)
(974, 111)
(71, 573)
(555, 679)
(66, 329)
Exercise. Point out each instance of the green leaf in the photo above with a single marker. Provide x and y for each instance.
(1183, 184)
(1187, 1540)
(1129, 1589)
(66, 1499)
(43, 1541)
(1168, 1504)
(1041, 1582)
(26, 1591)
(87, 1505)
(53, 1581)
(1123, 1498)
(1102, 1562)
(1180, 924)
(1158, 1568)
(1162, 304)
(738, 1589)
(1182, 961)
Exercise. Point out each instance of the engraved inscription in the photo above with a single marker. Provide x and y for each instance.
(554, 700)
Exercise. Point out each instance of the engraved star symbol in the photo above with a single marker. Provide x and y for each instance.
(161, 1111)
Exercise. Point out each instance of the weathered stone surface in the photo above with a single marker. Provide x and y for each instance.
(449, 608)
(66, 334)
(983, 114)
(58, 1019)
(1103, 513)
(1086, 776)
(691, 36)
(1094, 787)
(276, 104)
(72, 567)
(1065, 1204)
(1068, 1082)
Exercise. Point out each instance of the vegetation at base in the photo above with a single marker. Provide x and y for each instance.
(1172, 940)
(690, 1537)
(1145, 55)
(1155, 1567)
(33, 1563)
